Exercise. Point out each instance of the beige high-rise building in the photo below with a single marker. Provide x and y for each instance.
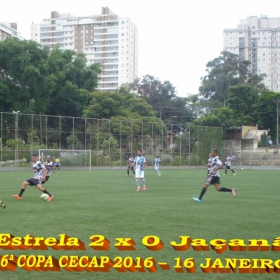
(258, 40)
(8, 30)
(106, 39)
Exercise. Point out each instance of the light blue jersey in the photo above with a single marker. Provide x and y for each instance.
(157, 161)
(139, 162)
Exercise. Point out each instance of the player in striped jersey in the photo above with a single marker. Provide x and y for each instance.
(50, 167)
(228, 165)
(40, 173)
(214, 177)
(130, 166)
(157, 162)
(209, 163)
(140, 164)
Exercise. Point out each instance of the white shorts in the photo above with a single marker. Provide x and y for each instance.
(139, 174)
(156, 168)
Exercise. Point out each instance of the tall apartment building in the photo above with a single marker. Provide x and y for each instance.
(8, 30)
(106, 39)
(258, 40)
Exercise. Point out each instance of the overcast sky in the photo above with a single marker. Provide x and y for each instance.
(176, 40)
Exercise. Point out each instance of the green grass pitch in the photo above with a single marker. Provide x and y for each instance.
(106, 202)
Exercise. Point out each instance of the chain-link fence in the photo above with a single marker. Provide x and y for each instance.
(266, 157)
(110, 141)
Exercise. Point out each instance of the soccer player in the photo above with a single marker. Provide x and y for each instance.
(157, 162)
(228, 165)
(209, 163)
(140, 164)
(214, 177)
(40, 173)
(57, 163)
(2, 205)
(130, 166)
(50, 167)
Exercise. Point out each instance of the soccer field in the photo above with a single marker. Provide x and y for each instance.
(106, 203)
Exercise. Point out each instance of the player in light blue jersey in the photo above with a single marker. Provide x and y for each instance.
(157, 162)
(140, 164)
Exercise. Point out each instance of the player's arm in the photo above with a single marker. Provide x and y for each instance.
(45, 172)
(218, 166)
(144, 165)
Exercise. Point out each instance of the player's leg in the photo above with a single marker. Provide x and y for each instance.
(127, 172)
(204, 189)
(144, 183)
(226, 170)
(218, 188)
(137, 184)
(156, 169)
(39, 187)
(132, 169)
(2, 205)
(233, 172)
(23, 187)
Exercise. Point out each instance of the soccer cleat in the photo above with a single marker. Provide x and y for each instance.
(144, 188)
(2, 205)
(234, 174)
(138, 190)
(233, 192)
(126, 175)
(16, 196)
(196, 199)
(50, 198)
(159, 174)
(224, 174)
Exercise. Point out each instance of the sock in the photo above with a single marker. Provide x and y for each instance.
(232, 171)
(137, 183)
(203, 191)
(133, 171)
(143, 181)
(226, 171)
(225, 190)
(45, 191)
(21, 192)
(127, 172)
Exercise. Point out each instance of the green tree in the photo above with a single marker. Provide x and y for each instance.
(155, 92)
(243, 100)
(24, 70)
(37, 80)
(217, 117)
(225, 71)
(267, 111)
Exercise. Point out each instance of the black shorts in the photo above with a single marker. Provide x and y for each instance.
(228, 166)
(33, 182)
(47, 178)
(211, 180)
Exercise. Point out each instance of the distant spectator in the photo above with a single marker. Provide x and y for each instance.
(269, 142)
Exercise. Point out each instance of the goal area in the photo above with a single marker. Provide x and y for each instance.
(69, 159)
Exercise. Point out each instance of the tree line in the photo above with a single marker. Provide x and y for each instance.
(60, 83)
